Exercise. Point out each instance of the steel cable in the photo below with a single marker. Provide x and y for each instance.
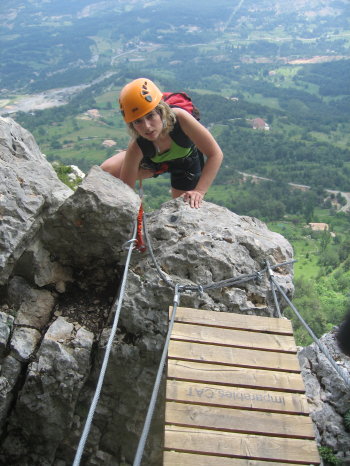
(341, 372)
(96, 397)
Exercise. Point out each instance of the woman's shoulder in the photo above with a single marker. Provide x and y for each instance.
(178, 135)
(186, 120)
(180, 113)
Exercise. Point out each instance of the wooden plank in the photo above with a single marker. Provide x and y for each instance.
(234, 393)
(233, 320)
(235, 376)
(233, 356)
(238, 420)
(248, 398)
(175, 458)
(240, 445)
(233, 337)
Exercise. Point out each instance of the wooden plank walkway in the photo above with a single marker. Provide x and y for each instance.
(234, 393)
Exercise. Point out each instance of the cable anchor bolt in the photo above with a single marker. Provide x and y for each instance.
(258, 277)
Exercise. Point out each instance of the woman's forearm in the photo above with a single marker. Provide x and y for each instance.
(209, 172)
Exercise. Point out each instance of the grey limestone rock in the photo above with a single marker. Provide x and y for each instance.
(45, 406)
(34, 306)
(94, 223)
(199, 247)
(24, 342)
(328, 394)
(6, 323)
(29, 192)
(10, 374)
(36, 266)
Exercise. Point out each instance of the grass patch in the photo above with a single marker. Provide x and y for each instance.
(305, 248)
(271, 102)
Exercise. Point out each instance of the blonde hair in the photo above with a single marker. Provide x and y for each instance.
(167, 116)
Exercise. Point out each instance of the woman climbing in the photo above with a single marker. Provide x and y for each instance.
(164, 139)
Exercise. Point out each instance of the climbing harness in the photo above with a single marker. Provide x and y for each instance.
(137, 243)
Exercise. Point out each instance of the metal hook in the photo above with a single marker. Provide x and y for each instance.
(127, 243)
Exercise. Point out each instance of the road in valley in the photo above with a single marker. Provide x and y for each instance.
(346, 195)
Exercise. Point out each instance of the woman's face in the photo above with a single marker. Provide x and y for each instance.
(149, 126)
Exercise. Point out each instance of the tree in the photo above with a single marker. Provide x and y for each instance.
(325, 240)
(308, 212)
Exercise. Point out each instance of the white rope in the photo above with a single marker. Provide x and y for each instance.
(97, 394)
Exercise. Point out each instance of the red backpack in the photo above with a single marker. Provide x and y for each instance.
(181, 100)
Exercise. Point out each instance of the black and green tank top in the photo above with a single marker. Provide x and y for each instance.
(181, 146)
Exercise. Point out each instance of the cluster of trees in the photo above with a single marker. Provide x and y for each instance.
(270, 200)
(329, 77)
(321, 304)
(278, 157)
(324, 302)
(334, 252)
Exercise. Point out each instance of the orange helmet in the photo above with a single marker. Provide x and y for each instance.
(138, 98)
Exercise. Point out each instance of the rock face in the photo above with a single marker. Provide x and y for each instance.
(62, 257)
(29, 193)
(328, 395)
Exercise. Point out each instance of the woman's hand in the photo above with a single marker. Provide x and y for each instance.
(194, 198)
